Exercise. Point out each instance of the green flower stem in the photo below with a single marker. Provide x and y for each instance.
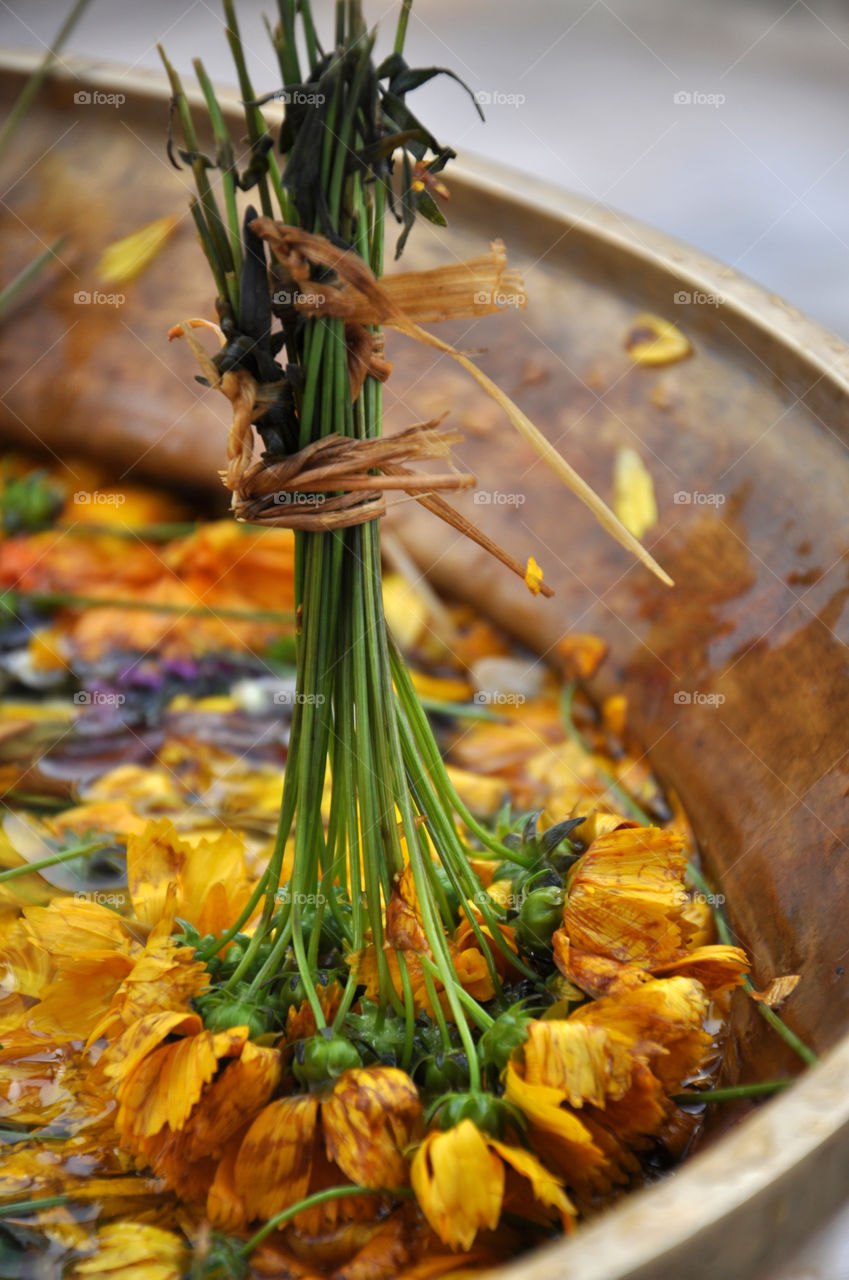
(33, 85)
(733, 1093)
(225, 161)
(253, 115)
(435, 765)
(30, 272)
(403, 19)
(453, 859)
(212, 216)
(309, 34)
(477, 1014)
(67, 855)
(309, 1202)
(26, 1207)
(288, 49)
(208, 246)
(67, 599)
(769, 1015)
(347, 714)
(461, 710)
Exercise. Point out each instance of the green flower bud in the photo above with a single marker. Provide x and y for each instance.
(235, 1013)
(540, 914)
(498, 1042)
(323, 1057)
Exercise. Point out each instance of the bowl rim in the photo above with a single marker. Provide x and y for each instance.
(769, 1182)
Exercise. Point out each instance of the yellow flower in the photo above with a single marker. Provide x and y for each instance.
(597, 1084)
(210, 877)
(627, 917)
(136, 1251)
(662, 1020)
(460, 1177)
(366, 1122)
(587, 1159)
(624, 897)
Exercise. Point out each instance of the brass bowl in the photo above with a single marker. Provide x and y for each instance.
(750, 428)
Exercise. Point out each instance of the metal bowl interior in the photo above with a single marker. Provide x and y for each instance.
(736, 678)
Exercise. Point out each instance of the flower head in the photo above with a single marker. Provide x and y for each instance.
(463, 1179)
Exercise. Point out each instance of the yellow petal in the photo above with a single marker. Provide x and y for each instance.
(652, 340)
(625, 897)
(546, 1187)
(582, 654)
(533, 576)
(368, 1123)
(459, 1184)
(579, 1060)
(67, 927)
(633, 492)
(777, 991)
(165, 1086)
(274, 1163)
(717, 967)
(662, 1020)
(136, 1251)
(125, 259)
(560, 1133)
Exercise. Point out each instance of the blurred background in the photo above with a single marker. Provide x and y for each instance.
(722, 123)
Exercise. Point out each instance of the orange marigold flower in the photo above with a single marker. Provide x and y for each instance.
(662, 1020)
(210, 877)
(460, 1178)
(367, 1121)
(625, 895)
(96, 957)
(595, 1084)
(626, 917)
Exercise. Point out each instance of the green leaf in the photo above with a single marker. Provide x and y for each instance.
(429, 209)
